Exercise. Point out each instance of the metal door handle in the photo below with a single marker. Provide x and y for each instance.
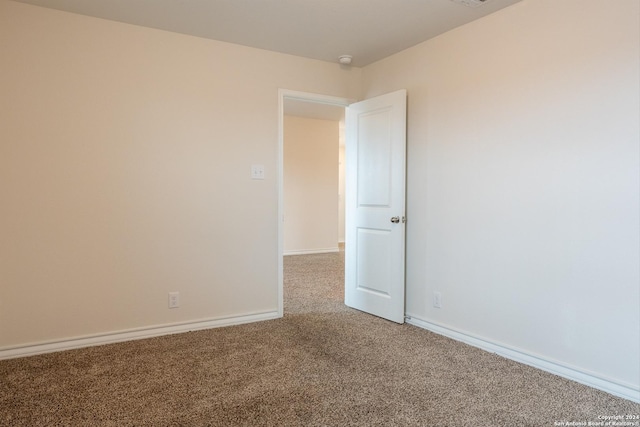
(395, 219)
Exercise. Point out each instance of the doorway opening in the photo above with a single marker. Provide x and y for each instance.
(293, 105)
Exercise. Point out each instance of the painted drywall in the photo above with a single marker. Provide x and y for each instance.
(310, 175)
(125, 157)
(341, 189)
(523, 181)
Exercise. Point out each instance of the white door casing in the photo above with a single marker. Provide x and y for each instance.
(283, 95)
(375, 205)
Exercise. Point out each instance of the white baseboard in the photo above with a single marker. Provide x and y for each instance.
(131, 334)
(616, 388)
(312, 251)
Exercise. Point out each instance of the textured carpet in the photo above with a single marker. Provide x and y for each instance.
(321, 365)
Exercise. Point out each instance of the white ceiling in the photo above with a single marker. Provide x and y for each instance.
(322, 29)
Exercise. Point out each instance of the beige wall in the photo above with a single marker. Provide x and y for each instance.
(341, 189)
(310, 185)
(523, 170)
(125, 157)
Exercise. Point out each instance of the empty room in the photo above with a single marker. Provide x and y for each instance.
(491, 266)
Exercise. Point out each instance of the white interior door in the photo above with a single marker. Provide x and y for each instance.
(375, 205)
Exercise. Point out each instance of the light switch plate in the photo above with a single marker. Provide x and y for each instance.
(257, 171)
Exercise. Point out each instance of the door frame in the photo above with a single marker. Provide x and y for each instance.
(284, 94)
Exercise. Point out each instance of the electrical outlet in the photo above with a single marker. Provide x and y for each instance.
(437, 300)
(174, 299)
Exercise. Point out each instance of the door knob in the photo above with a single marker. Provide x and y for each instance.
(395, 219)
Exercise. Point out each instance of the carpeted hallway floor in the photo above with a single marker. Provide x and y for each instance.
(321, 365)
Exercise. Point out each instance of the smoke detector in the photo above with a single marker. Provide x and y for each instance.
(345, 59)
(470, 3)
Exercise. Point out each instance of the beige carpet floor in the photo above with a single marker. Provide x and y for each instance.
(321, 365)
